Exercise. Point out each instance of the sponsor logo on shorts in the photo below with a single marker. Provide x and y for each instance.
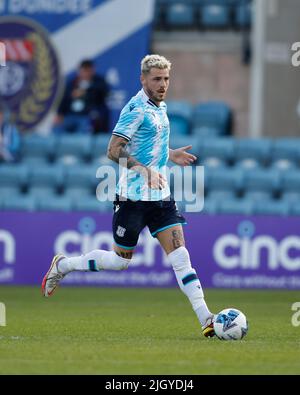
(120, 231)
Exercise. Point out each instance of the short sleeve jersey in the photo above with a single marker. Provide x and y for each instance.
(146, 128)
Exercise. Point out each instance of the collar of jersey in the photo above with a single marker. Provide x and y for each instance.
(147, 99)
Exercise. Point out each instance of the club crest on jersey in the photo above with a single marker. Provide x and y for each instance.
(30, 83)
(120, 231)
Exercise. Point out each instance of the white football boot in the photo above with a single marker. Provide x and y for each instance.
(53, 277)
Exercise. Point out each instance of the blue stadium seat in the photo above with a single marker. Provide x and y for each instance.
(177, 141)
(9, 191)
(180, 15)
(257, 149)
(81, 176)
(247, 164)
(286, 148)
(220, 194)
(100, 145)
(34, 145)
(40, 192)
(210, 206)
(92, 204)
(179, 125)
(243, 15)
(224, 179)
(180, 115)
(180, 108)
(74, 145)
(159, 13)
(216, 115)
(55, 203)
(272, 207)
(236, 206)
(262, 180)
(205, 132)
(19, 203)
(291, 181)
(215, 16)
(49, 175)
(35, 160)
(295, 209)
(79, 192)
(212, 163)
(221, 148)
(258, 196)
(283, 166)
(13, 174)
(291, 196)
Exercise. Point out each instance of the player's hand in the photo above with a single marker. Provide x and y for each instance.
(156, 180)
(153, 178)
(181, 157)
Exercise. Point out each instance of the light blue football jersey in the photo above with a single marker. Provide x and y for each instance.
(146, 126)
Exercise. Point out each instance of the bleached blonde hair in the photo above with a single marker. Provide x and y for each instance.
(157, 61)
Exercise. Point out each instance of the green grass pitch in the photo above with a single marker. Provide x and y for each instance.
(143, 331)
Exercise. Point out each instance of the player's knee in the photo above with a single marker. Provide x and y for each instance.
(180, 258)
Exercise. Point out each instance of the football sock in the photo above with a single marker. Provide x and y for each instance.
(189, 282)
(94, 261)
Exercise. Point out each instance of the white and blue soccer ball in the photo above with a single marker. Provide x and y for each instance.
(230, 324)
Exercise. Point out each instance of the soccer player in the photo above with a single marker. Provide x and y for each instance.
(140, 142)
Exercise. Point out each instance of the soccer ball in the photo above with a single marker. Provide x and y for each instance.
(230, 324)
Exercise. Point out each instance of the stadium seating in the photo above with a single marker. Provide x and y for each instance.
(41, 192)
(220, 194)
(295, 208)
(55, 203)
(237, 206)
(215, 16)
(210, 206)
(213, 114)
(256, 149)
(20, 203)
(180, 116)
(291, 196)
(205, 132)
(222, 149)
(224, 179)
(49, 175)
(91, 204)
(291, 181)
(13, 175)
(286, 148)
(243, 15)
(179, 15)
(272, 207)
(40, 147)
(78, 146)
(258, 196)
(267, 180)
(99, 145)
(242, 175)
(202, 14)
(81, 176)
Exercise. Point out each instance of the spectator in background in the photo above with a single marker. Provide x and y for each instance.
(9, 138)
(83, 107)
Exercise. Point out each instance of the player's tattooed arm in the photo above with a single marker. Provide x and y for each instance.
(117, 151)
